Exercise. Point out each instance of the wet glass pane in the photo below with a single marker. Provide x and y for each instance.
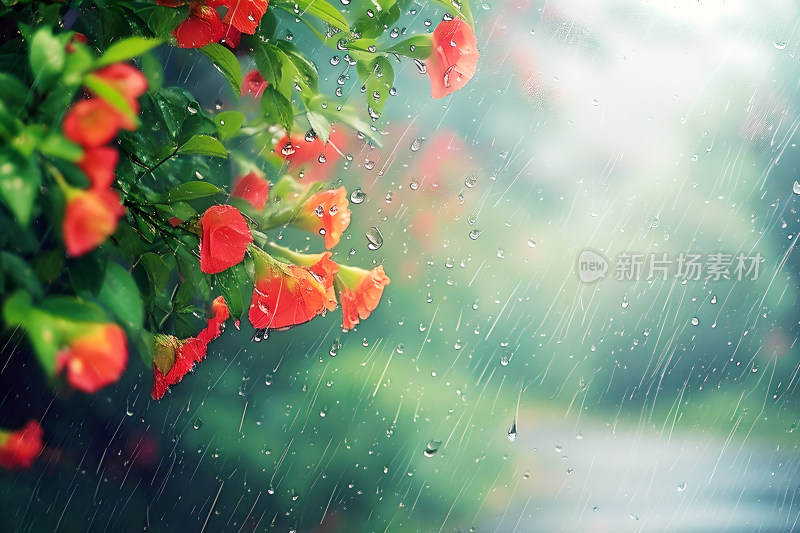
(591, 322)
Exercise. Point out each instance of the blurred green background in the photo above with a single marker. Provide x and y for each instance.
(492, 390)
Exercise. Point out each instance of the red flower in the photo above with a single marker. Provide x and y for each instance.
(19, 449)
(285, 295)
(173, 360)
(225, 238)
(230, 36)
(91, 216)
(244, 15)
(454, 57)
(327, 214)
(92, 123)
(253, 188)
(360, 292)
(304, 156)
(216, 323)
(202, 27)
(127, 80)
(95, 358)
(99, 164)
(253, 83)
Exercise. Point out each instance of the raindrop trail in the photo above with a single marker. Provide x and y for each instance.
(502, 310)
(380, 380)
(427, 334)
(222, 484)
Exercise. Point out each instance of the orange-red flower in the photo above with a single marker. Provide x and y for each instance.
(225, 238)
(92, 123)
(285, 295)
(313, 158)
(360, 292)
(253, 188)
(326, 213)
(19, 449)
(254, 83)
(244, 15)
(98, 164)
(175, 358)
(454, 57)
(220, 313)
(95, 358)
(127, 80)
(90, 217)
(204, 25)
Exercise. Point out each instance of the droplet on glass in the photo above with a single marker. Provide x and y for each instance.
(374, 238)
(474, 234)
(512, 432)
(417, 144)
(357, 196)
(197, 423)
(431, 448)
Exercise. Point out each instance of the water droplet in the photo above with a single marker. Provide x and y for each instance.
(780, 45)
(374, 238)
(474, 234)
(421, 66)
(260, 335)
(796, 187)
(624, 302)
(471, 180)
(414, 185)
(268, 380)
(400, 348)
(417, 144)
(695, 321)
(682, 486)
(319, 211)
(357, 196)
(192, 110)
(334, 351)
(714, 299)
(512, 432)
(335, 60)
(321, 158)
(197, 423)
(431, 448)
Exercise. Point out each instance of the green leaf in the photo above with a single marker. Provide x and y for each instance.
(346, 115)
(157, 270)
(190, 191)
(417, 47)
(86, 273)
(17, 308)
(56, 145)
(268, 62)
(12, 90)
(377, 75)
(373, 27)
(19, 183)
(205, 145)
(226, 63)
(112, 97)
(21, 273)
(276, 108)
(73, 309)
(47, 56)
(120, 295)
(304, 67)
(229, 123)
(320, 125)
(178, 210)
(319, 9)
(127, 49)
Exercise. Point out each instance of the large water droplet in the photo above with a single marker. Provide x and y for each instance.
(374, 238)
(417, 144)
(474, 234)
(796, 187)
(431, 448)
(357, 196)
(512, 432)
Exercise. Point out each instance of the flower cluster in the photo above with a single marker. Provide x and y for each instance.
(205, 26)
(91, 215)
